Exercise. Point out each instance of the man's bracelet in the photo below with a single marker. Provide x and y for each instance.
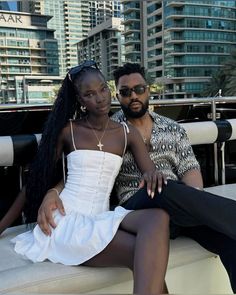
(55, 190)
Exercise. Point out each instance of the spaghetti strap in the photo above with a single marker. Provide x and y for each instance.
(64, 167)
(126, 130)
(72, 135)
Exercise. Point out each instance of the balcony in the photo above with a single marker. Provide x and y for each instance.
(173, 3)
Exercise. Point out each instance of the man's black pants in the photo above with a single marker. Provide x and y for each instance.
(208, 219)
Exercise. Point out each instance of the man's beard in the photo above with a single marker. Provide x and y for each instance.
(131, 114)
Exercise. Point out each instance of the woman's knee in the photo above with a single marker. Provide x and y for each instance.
(164, 216)
(139, 220)
(158, 217)
(154, 220)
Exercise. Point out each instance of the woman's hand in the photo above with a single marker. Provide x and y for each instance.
(50, 203)
(154, 180)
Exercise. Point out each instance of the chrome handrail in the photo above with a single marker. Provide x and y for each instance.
(152, 102)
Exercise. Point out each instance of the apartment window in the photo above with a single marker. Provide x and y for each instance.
(208, 48)
(209, 24)
(221, 25)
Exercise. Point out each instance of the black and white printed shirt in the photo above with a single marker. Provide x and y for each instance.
(170, 150)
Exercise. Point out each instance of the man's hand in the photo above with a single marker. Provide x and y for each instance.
(154, 179)
(50, 203)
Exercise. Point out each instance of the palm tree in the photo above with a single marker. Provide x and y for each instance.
(156, 89)
(224, 79)
(112, 87)
(230, 72)
(217, 82)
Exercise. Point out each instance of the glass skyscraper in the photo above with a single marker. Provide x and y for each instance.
(101, 11)
(133, 30)
(181, 43)
(71, 22)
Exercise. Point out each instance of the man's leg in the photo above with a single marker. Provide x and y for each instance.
(141, 200)
(217, 243)
(208, 238)
(200, 208)
(190, 207)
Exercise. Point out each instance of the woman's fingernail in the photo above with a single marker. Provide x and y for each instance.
(149, 192)
(159, 190)
(152, 195)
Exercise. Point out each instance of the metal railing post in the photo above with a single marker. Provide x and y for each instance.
(222, 163)
(215, 146)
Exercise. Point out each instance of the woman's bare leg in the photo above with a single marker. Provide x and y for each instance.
(142, 244)
(151, 249)
(119, 252)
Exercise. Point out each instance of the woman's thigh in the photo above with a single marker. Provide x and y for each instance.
(136, 220)
(119, 252)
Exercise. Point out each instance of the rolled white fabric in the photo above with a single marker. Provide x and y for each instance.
(233, 125)
(6, 151)
(201, 132)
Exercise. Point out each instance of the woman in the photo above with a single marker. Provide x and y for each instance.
(90, 234)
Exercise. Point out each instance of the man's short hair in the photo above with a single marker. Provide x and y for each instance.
(127, 69)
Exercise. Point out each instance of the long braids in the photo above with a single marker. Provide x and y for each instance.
(43, 170)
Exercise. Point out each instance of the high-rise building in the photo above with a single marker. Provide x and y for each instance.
(31, 6)
(101, 11)
(104, 44)
(133, 30)
(71, 22)
(28, 58)
(181, 43)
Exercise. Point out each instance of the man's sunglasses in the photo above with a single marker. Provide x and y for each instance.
(75, 70)
(138, 89)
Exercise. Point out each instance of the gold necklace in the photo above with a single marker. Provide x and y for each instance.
(145, 139)
(99, 145)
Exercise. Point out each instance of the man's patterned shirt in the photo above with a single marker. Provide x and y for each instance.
(170, 150)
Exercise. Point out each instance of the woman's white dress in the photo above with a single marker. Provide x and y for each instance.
(88, 226)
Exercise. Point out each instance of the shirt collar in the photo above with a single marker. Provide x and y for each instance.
(156, 118)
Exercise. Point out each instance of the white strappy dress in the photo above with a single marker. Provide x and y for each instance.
(88, 226)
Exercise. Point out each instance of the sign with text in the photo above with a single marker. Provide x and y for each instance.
(14, 20)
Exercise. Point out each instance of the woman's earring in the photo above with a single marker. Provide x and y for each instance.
(83, 109)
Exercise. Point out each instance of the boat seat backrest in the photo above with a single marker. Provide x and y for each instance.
(20, 149)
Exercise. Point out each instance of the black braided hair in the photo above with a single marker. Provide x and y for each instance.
(43, 170)
(127, 69)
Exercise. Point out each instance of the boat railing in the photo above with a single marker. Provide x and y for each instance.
(215, 107)
(211, 101)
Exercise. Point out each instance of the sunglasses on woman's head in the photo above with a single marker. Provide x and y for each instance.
(138, 89)
(75, 70)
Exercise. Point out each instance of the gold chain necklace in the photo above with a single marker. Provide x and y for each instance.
(99, 145)
(145, 139)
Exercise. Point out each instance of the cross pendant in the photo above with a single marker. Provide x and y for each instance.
(100, 145)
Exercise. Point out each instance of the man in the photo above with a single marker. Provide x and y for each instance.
(166, 140)
(170, 150)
